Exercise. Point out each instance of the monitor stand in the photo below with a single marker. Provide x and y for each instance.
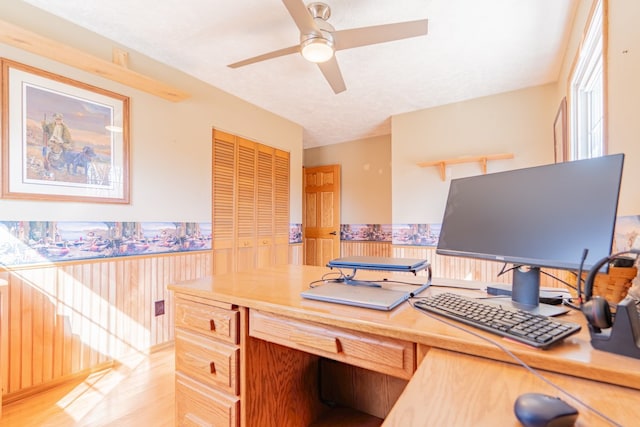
(380, 264)
(525, 293)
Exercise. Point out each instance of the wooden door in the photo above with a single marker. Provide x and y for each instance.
(265, 206)
(223, 207)
(250, 204)
(321, 214)
(281, 209)
(246, 206)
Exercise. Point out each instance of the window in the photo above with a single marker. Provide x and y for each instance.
(587, 93)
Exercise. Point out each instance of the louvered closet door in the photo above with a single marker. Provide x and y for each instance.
(265, 207)
(224, 161)
(281, 196)
(246, 205)
(250, 204)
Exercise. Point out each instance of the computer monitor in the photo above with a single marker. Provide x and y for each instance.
(544, 216)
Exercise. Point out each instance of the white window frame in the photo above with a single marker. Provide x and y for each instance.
(587, 117)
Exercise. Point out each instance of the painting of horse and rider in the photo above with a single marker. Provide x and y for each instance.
(66, 140)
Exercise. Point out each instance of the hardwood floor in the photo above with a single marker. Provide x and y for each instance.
(138, 392)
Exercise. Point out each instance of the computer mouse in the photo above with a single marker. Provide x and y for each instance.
(541, 410)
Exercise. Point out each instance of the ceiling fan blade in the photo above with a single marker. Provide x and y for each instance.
(356, 37)
(270, 55)
(331, 72)
(301, 16)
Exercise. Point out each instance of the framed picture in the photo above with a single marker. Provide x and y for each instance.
(560, 133)
(62, 140)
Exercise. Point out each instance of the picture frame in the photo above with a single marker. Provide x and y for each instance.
(62, 139)
(561, 152)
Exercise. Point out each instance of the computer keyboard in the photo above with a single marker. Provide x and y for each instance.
(518, 325)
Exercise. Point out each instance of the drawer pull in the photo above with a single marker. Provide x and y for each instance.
(199, 363)
(330, 344)
(212, 325)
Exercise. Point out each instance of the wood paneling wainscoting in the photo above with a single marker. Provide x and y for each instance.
(442, 266)
(296, 254)
(365, 248)
(466, 268)
(64, 320)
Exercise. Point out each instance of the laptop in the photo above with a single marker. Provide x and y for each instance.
(379, 263)
(367, 296)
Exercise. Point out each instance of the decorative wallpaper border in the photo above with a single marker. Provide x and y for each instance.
(295, 233)
(416, 234)
(398, 234)
(28, 242)
(627, 233)
(35, 242)
(365, 232)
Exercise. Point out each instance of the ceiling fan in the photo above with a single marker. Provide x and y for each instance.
(319, 40)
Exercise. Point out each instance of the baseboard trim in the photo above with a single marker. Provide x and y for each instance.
(30, 391)
(113, 364)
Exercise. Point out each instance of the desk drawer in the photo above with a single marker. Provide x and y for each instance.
(386, 355)
(208, 319)
(198, 405)
(211, 362)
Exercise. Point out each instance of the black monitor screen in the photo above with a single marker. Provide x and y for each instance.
(544, 216)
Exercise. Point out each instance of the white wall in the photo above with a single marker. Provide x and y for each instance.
(624, 97)
(365, 177)
(519, 122)
(170, 142)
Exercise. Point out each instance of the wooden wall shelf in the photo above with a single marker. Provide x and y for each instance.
(21, 38)
(442, 164)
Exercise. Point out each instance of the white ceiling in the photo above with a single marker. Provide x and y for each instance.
(474, 48)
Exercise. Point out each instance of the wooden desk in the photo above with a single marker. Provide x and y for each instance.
(455, 389)
(281, 338)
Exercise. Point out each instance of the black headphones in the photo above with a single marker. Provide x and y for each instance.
(596, 309)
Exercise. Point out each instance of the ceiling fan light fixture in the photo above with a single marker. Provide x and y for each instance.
(317, 49)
